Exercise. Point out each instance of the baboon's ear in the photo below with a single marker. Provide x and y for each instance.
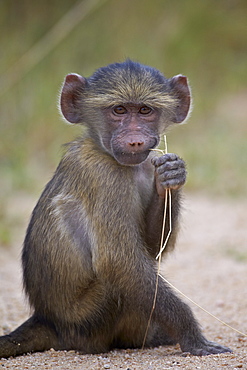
(73, 87)
(180, 89)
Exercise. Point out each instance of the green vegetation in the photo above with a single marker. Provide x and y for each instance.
(236, 255)
(205, 40)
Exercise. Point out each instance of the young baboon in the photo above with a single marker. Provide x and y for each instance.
(89, 267)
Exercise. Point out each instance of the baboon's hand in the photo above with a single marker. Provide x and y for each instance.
(170, 172)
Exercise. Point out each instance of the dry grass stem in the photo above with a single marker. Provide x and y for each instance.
(203, 309)
(162, 245)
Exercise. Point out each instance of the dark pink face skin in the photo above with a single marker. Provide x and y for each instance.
(131, 131)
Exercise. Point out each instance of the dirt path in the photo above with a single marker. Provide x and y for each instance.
(209, 265)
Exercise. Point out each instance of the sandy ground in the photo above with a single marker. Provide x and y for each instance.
(209, 265)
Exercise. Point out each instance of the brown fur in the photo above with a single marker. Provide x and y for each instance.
(89, 267)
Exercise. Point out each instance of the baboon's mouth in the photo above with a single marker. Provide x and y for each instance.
(131, 158)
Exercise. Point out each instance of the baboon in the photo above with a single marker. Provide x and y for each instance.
(89, 267)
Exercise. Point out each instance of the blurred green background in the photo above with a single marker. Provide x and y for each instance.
(40, 42)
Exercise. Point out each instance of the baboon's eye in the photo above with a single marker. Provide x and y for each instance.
(145, 110)
(119, 109)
